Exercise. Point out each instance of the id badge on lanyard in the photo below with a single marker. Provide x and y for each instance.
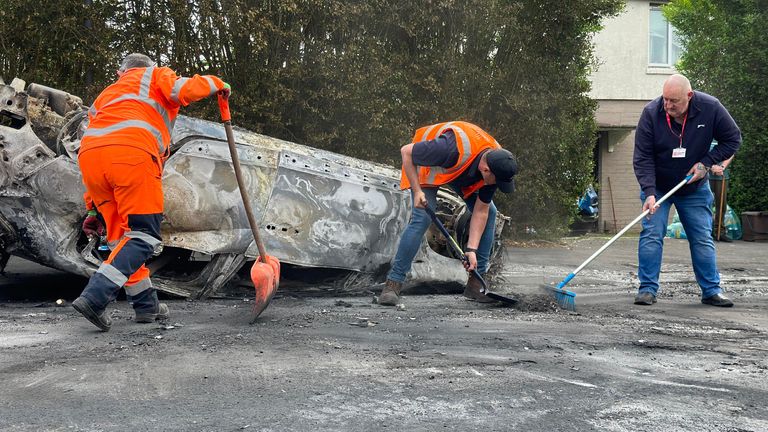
(679, 152)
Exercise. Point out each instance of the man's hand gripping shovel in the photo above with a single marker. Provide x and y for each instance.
(265, 272)
(456, 249)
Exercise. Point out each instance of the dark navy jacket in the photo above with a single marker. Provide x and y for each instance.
(655, 169)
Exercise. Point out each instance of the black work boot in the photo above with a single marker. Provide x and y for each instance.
(100, 320)
(473, 288)
(390, 295)
(717, 300)
(162, 313)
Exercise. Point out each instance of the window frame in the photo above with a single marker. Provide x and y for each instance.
(669, 40)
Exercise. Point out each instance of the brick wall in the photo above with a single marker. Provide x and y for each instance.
(622, 196)
(617, 120)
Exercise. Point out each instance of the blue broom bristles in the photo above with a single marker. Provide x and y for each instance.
(564, 298)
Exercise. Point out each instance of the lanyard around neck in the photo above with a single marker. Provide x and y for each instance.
(682, 131)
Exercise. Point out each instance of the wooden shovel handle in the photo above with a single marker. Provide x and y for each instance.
(225, 117)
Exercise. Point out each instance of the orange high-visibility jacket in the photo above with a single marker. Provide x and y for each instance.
(470, 141)
(139, 110)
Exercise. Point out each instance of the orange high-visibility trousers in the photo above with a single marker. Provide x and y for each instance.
(125, 185)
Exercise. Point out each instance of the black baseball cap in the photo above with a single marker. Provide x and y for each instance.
(503, 165)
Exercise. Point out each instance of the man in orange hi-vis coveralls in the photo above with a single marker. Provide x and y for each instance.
(121, 158)
(467, 159)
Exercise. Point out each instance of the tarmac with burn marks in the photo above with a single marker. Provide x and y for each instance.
(440, 363)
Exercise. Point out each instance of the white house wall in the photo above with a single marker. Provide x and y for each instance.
(621, 48)
(622, 84)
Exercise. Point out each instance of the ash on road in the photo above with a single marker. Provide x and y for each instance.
(442, 363)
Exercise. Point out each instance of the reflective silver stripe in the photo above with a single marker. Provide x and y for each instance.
(139, 287)
(92, 111)
(146, 238)
(466, 146)
(146, 80)
(149, 101)
(126, 124)
(434, 171)
(113, 274)
(466, 152)
(426, 133)
(113, 244)
(212, 85)
(177, 89)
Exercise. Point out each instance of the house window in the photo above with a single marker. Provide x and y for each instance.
(664, 44)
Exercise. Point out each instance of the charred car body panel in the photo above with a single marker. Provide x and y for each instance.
(314, 208)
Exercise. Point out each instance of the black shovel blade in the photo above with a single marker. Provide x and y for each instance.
(498, 297)
(493, 295)
(455, 246)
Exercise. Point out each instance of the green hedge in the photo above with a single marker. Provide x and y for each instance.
(727, 56)
(354, 77)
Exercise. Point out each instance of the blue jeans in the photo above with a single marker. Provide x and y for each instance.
(420, 221)
(695, 211)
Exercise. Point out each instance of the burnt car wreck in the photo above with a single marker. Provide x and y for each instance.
(315, 209)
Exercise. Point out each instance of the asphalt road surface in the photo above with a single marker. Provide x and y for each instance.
(442, 363)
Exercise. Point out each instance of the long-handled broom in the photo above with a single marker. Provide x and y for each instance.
(567, 299)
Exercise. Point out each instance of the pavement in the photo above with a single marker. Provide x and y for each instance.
(438, 363)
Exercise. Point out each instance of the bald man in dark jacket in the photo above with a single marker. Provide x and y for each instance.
(672, 141)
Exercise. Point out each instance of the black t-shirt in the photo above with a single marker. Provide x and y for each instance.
(442, 152)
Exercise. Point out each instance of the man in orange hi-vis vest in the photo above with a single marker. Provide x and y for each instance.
(121, 158)
(465, 158)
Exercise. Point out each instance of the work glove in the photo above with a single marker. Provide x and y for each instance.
(92, 225)
(226, 91)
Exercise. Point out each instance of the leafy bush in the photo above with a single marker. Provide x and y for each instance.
(727, 56)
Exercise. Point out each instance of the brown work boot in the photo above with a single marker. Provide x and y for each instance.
(472, 291)
(390, 295)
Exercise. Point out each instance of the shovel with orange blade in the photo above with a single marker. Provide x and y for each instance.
(265, 272)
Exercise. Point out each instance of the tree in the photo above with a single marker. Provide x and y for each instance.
(50, 44)
(727, 55)
(356, 77)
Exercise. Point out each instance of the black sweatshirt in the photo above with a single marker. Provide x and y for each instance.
(655, 168)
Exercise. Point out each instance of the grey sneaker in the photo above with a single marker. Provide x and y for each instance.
(100, 320)
(162, 314)
(645, 299)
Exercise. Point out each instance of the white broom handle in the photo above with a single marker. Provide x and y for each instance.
(631, 224)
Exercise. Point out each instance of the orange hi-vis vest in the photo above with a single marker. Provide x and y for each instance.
(470, 141)
(139, 110)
